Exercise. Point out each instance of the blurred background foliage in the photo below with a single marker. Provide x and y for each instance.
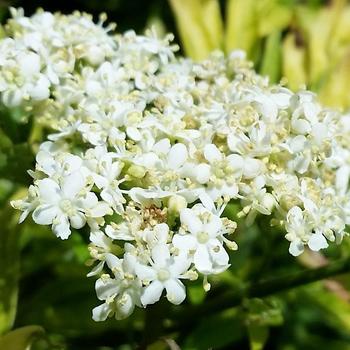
(306, 42)
(45, 298)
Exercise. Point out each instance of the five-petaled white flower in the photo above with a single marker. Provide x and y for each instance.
(67, 204)
(164, 272)
(204, 240)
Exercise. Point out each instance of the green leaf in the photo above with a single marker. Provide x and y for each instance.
(21, 338)
(216, 331)
(271, 63)
(338, 309)
(158, 345)
(9, 271)
(318, 28)
(261, 314)
(333, 90)
(18, 159)
(264, 312)
(212, 23)
(272, 16)
(258, 336)
(294, 61)
(188, 16)
(241, 25)
(196, 293)
(231, 210)
(2, 31)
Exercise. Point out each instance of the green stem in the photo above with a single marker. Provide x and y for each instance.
(9, 271)
(153, 323)
(262, 288)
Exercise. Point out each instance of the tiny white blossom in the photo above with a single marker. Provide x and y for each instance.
(164, 272)
(204, 239)
(67, 204)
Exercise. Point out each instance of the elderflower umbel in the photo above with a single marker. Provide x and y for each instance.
(147, 149)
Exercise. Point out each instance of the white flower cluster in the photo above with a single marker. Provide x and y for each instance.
(147, 149)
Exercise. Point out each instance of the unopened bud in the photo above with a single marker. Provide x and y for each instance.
(137, 171)
(176, 203)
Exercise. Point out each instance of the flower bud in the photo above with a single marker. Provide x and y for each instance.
(137, 171)
(176, 203)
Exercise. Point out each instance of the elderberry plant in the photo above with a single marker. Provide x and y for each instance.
(146, 149)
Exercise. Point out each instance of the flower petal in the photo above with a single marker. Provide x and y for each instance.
(184, 242)
(160, 255)
(101, 209)
(49, 191)
(202, 260)
(177, 156)
(96, 269)
(78, 220)
(145, 273)
(317, 242)
(202, 172)
(213, 227)
(44, 214)
(133, 133)
(152, 293)
(212, 153)
(190, 219)
(175, 291)
(218, 253)
(72, 184)
(87, 202)
(105, 289)
(296, 248)
(180, 265)
(101, 312)
(126, 306)
(342, 179)
(62, 229)
(252, 168)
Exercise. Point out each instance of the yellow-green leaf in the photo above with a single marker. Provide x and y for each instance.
(241, 25)
(318, 27)
(271, 62)
(21, 338)
(272, 16)
(212, 22)
(335, 89)
(294, 62)
(188, 16)
(258, 336)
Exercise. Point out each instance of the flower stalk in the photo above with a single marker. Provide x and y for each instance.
(264, 288)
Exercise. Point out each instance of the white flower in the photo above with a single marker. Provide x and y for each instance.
(108, 180)
(67, 204)
(268, 104)
(203, 240)
(104, 125)
(165, 160)
(54, 162)
(23, 78)
(298, 230)
(120, 293)
(257, 196)
(165, 272)
(244, 151)
(139, 135)
(159, 234)
(28, 204)
(100, 245)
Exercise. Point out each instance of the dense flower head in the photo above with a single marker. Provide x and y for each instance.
(147, 149)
